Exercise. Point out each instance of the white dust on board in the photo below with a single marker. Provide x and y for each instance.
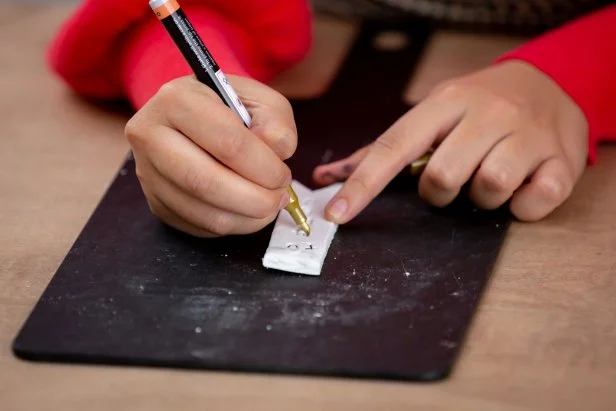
(245, 307)
(338, 305)
(287, 312)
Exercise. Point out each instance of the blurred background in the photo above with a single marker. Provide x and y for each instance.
(521, 16)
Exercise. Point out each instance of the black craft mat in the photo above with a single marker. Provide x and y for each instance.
(396, 295)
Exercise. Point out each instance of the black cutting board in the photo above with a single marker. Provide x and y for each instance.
(395, 297)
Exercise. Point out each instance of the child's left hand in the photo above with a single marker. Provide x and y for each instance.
(510, 128)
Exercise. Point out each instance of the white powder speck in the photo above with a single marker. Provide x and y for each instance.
(317, 315)
(198, 330)
(268, 327)
(230, 292)
(407, 273)
(234, 308)
(497, 225)
(448, 344)
(369, 295)
(432, 307)
(327, 156)
(141, 288)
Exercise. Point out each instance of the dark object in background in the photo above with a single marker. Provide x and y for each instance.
(394, 300)
(524, 17)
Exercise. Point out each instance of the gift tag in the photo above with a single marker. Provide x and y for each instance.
(290, 249)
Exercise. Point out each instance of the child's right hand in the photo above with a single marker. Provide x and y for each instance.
(202, 171)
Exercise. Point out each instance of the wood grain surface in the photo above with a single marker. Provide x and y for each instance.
(544, 337)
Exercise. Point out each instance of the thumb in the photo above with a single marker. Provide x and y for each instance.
(272, 115)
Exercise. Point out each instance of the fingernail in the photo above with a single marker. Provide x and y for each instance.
(338, 208)
(284, 201)
(328, 178)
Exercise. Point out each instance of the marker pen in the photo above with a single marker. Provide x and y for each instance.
(207, 71)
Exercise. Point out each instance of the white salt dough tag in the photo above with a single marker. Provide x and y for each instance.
(289, 248)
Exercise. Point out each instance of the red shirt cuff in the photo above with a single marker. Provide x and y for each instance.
(558, 73)
(581, 58)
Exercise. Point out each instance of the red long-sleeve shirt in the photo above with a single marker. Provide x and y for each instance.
(117, 48)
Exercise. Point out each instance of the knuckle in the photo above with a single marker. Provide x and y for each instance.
(427, 193)
(287, 143)
(506, 107)
(201, 184)
(525, 215)
(449, 89)
(497, 179)
(182, 100)
(219, 224)
(169, 91)
(359, 183)
(389, 148)
(442, 177)
(385, 144)
(554, 190)
(134, 132)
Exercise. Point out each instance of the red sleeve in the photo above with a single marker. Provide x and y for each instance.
(119, 49)
(581, 58)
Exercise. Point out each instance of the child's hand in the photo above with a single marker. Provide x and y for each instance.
(509, 128)
(204, 172)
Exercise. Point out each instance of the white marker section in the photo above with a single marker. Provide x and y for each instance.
(289, 248)
(235, 100)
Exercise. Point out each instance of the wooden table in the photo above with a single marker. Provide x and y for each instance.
(544, 337)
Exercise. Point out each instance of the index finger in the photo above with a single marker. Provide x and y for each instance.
(408, 138)
(220, 132)
(272, 115)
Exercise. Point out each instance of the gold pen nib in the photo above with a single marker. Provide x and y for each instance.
(296, 211)
(305, 227)
(418, 166)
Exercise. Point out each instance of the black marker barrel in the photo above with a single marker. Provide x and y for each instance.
(197, 55)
